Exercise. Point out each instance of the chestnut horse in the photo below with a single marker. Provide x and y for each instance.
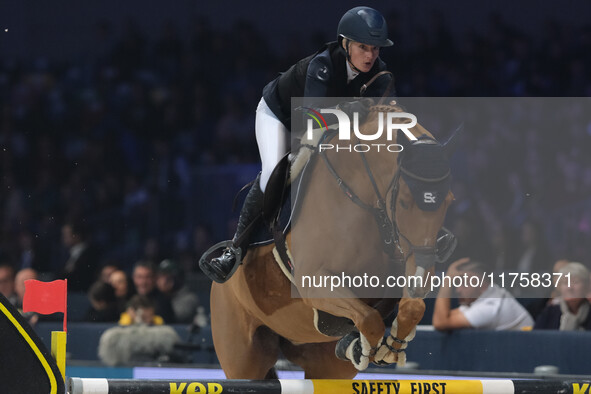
(254, 317)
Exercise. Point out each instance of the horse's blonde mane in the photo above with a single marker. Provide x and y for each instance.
(300, 158)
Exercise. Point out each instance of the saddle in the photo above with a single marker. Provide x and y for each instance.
(280, 205)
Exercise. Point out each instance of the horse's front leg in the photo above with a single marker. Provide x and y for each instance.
(367, 320)
(410, 313)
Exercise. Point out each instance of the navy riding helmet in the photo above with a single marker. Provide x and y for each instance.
(364, 25)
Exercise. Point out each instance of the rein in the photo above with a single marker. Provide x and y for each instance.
(388, 229)
(374, 78)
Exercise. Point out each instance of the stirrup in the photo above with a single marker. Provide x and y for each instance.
(204, 261)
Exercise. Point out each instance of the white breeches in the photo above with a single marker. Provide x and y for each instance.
(272, 139)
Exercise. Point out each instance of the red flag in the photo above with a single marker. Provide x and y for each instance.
(46, 297)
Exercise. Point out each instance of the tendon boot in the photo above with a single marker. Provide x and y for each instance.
(220, 269)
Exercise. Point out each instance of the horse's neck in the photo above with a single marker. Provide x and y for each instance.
(381, 158)
(355, 171)
(383, 164)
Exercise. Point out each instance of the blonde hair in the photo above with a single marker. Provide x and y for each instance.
(577, 270)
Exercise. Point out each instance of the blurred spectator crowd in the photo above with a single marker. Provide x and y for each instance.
(104, 147)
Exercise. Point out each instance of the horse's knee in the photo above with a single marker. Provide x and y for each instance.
(411, 311)
(372, 324)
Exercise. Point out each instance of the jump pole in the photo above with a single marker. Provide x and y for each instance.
(318, 386)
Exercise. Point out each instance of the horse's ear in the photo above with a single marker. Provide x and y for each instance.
(402, 139)
(452, 143)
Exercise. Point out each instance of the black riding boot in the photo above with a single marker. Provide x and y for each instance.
(220, 269)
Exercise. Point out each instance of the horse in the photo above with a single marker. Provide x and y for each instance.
(255, 318)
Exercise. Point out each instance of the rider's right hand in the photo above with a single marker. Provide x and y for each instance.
(360, 106)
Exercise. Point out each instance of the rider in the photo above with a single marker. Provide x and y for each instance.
(338, 69)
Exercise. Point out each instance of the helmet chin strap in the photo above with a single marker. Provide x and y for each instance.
(348, 53)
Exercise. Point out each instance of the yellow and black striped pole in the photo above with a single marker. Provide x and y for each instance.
(319, 386)
(58, 350)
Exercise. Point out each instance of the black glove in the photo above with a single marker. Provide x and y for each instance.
(360, 106)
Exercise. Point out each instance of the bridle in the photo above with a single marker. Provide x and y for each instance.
(389, 230)
(390, 234)
(390, 237)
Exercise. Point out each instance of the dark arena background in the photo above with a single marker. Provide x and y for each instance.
(130, 125)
